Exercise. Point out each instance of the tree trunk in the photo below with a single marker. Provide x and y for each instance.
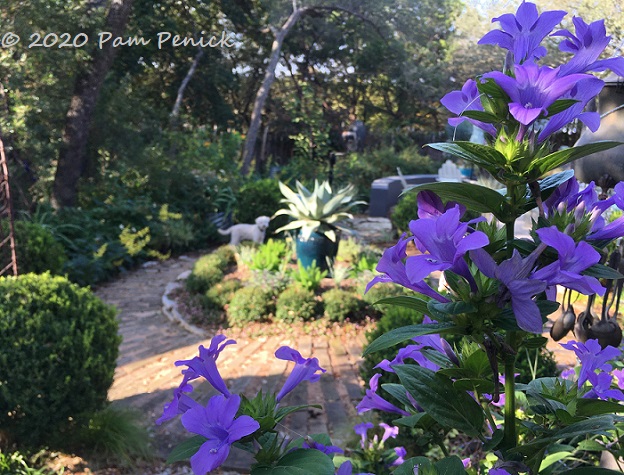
(72, 155)
(175, 112)
(263, 92)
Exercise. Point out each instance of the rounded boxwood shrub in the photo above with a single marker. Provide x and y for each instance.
(250, 304)
(341, 304)
(296, 303)
(219, 295)
(58, 347)
(36, 249)
(207, 271)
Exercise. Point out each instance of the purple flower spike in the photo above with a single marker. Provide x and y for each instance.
(587, 45)
(389, 431)
(534, 89)
(573, 259)
(601, 388)
(179, 405)
(523, 32)
(206, 365)
(400, 453)
(362, 430)
(218, 424)
(517, 288)
(393, 270)
(326, 449)
(373, 401)
(584, 91)
(467, 99)
(305, 369)
(592, 357)
(445, 242)
(430, 205)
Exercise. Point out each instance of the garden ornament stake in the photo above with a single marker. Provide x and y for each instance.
(499, 292)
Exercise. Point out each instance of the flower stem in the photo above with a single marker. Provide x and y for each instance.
(510, 438)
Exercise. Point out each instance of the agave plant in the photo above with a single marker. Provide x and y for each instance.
(317, 211)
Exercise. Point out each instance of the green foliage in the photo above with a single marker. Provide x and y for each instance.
(380, 291)
(317, 211)
(259, 198)
(226, 254)
(16, 463)
(115, 435)
(36, 249)
(361, 169)
(220, 294)
(296, 303)
(61, 344)
(250, 304)
(276, 281)
(270, 256)
(309, 278)
(341, 304)
(207, 271)
(349, 250)
(405, 211)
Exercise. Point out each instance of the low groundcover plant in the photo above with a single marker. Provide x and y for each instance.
(499, 291)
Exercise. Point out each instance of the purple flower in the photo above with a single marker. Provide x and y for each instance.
(573, 259)
(592, 357)
(445, 240)
(619, 377)
(467, 99)
(179, 405)
(584, 91)
(389, 431)
(601, 387)
(430, 205)
(516, 287)
(534, 89)
(587, 45)
(217, 423)
(362, 431)
(392, 268)
(568, 373)
(305, 369)
(523, 32)
(347, 469)
(400, 453)
(310, 443)
(373, 401)
(498, 471)
(206, 365)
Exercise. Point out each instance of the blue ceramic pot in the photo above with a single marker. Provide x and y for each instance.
(317, 248)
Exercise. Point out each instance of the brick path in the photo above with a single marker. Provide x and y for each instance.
(146, 374)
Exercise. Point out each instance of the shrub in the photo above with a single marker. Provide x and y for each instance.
(219, 295)
(270, 256)
(207, 271)
(349, 250)
(405, 211)
(296, 303)
(259, 198)
(380, 291)
(250, 304)
(341, 304)
(60, 343)
(16, 463)
(309, 278)
(227, 254)
(36, 249)
(274, 281)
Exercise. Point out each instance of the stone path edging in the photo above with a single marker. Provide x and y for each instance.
(170, 306)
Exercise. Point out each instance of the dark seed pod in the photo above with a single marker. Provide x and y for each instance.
(581, 328)
(563, 325)
(608, 333)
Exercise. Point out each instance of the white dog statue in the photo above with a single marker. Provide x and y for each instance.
(247, 232)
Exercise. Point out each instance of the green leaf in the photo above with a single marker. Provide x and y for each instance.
(481, 116)
(450, 466)
(407, 467)
(545, 164)
(399, 335)
(472, 152)
(405, 301)
(397, 391)
(410, 421)
(600, 271)
(594, 407)
(561, 105)
(186, 449)
(438, 397)
(470, 384)
(497, 438)
(451, 308)
(477, 198)
(284, 411)
(590, 471)
(299, 462)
